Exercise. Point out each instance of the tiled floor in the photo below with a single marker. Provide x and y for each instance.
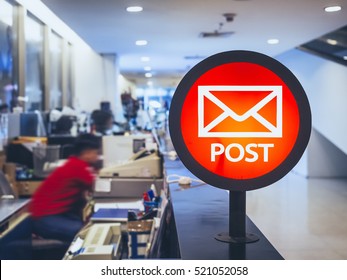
(303, 218)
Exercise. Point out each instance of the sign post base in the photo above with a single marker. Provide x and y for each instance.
(237, 221)
(224, 237)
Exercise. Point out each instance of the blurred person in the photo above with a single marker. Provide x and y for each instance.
(4, 108)
(57, 205)
(63, 126)
(101, 122)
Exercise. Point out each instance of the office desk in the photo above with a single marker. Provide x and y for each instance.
(123, 251)
(201, 211)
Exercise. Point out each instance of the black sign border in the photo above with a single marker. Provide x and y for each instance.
(288, 78)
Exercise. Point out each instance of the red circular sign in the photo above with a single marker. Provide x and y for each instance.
(261, 126)
(240, 120)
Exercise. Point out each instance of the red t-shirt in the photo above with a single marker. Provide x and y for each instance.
(64, 190)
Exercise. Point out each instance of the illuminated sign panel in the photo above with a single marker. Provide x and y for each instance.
(240, 120)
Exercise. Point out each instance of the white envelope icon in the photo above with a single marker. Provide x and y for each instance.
(270, 130)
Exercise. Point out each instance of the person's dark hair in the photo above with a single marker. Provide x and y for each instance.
(4, 107)
(100, 119)
(63, 125)
(86, 142)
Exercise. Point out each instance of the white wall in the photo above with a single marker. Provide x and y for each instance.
(124, 85)
(301, 167)
(324, 158)
(95, 79)
(325, 83)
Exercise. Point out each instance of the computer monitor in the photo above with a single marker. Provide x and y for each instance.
(29, 123)
(32, 124)
(61, 140)
(117, 149)
(105, 106)
(66, 143)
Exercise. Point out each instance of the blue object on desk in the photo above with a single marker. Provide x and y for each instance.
(110, 214)
(150, 205)
(150, 195)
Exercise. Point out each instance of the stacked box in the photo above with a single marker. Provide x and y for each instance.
(138, 237)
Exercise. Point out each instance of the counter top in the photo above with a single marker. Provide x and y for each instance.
(201, 211)
(8, 207)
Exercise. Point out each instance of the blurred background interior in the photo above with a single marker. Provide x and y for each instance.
(111, 68)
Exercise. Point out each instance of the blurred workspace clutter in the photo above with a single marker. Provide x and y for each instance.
(123, 217)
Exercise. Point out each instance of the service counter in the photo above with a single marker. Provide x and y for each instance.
(200, 212)
(11, 207)
(15, 229)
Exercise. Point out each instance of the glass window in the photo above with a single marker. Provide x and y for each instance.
(6, 53)
(55, 49)
(34, 36)
(331, 46)
(70, 94)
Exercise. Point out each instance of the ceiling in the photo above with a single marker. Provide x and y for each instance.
(172, 29)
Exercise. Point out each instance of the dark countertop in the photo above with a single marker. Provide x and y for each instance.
(201, 211)
(9, 207)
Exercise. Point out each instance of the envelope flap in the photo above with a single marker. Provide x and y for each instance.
(262, 104)
(251, 124)
(240, 102)
(212, 111)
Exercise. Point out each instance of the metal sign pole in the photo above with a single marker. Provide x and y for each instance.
(237, 221)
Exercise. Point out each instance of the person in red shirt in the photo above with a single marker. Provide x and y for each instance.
(56, 206)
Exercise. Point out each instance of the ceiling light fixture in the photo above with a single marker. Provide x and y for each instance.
(134, 9)
(345, 57)
(147, 68)
(141, 43)
(145, 59)
(332, 42)
(332, 9)
(148, 75)
(273, 41)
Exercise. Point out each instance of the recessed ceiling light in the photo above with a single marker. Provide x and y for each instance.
(331, 42)
(134, 9)
(273, 41)
(331, 9)
(148, 75)
(147, 68)
(145, 58)
(141, 43)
